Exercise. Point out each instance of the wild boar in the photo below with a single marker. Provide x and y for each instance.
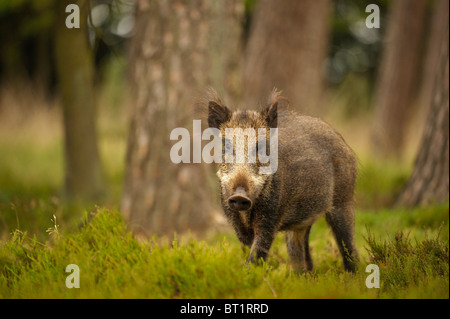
(314, 177)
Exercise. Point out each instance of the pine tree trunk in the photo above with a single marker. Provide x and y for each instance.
(179, 49)
(398, 76)
(435, 36)
(75, 70)
(286, 49)
(429, 182)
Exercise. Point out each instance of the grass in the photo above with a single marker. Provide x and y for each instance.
(113, 264)
(40, 234)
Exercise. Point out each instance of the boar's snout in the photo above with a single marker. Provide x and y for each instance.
(239, 200)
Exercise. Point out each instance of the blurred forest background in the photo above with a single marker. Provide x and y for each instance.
(86, 114)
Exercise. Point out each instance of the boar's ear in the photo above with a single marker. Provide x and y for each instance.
(276, 100)
(217, 114)
(271, 115)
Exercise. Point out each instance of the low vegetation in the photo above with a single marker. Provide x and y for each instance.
(413, 262)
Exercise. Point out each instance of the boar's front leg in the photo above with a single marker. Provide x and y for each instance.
(264, 233)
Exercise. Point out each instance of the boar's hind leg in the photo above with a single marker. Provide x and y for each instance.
(341, 221)
(309, 263)
(297, 243)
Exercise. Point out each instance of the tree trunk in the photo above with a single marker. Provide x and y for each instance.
(286, 49)
(430, 179)
(398, 75)
(75, 72)
(435, 36)
(178, 50)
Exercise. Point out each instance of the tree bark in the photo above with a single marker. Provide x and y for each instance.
(286, 49)
(398, 76)
(178, 50)
(75, 71)
(435, 36)
(429, 182)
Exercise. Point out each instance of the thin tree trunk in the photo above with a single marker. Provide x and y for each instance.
(42, 76)
(429, 182)
(75, 72)
(179, 49)
(398, 76)
(286, 49)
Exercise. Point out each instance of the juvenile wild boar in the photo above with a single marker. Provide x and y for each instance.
(315, 177)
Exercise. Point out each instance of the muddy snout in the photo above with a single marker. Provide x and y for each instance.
(239, 200)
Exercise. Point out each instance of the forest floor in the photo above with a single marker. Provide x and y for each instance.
(409, 246)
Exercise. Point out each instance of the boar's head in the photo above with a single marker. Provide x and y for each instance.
(246, 137)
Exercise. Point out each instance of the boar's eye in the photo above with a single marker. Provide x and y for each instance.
(252, 151)
(228, 146)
